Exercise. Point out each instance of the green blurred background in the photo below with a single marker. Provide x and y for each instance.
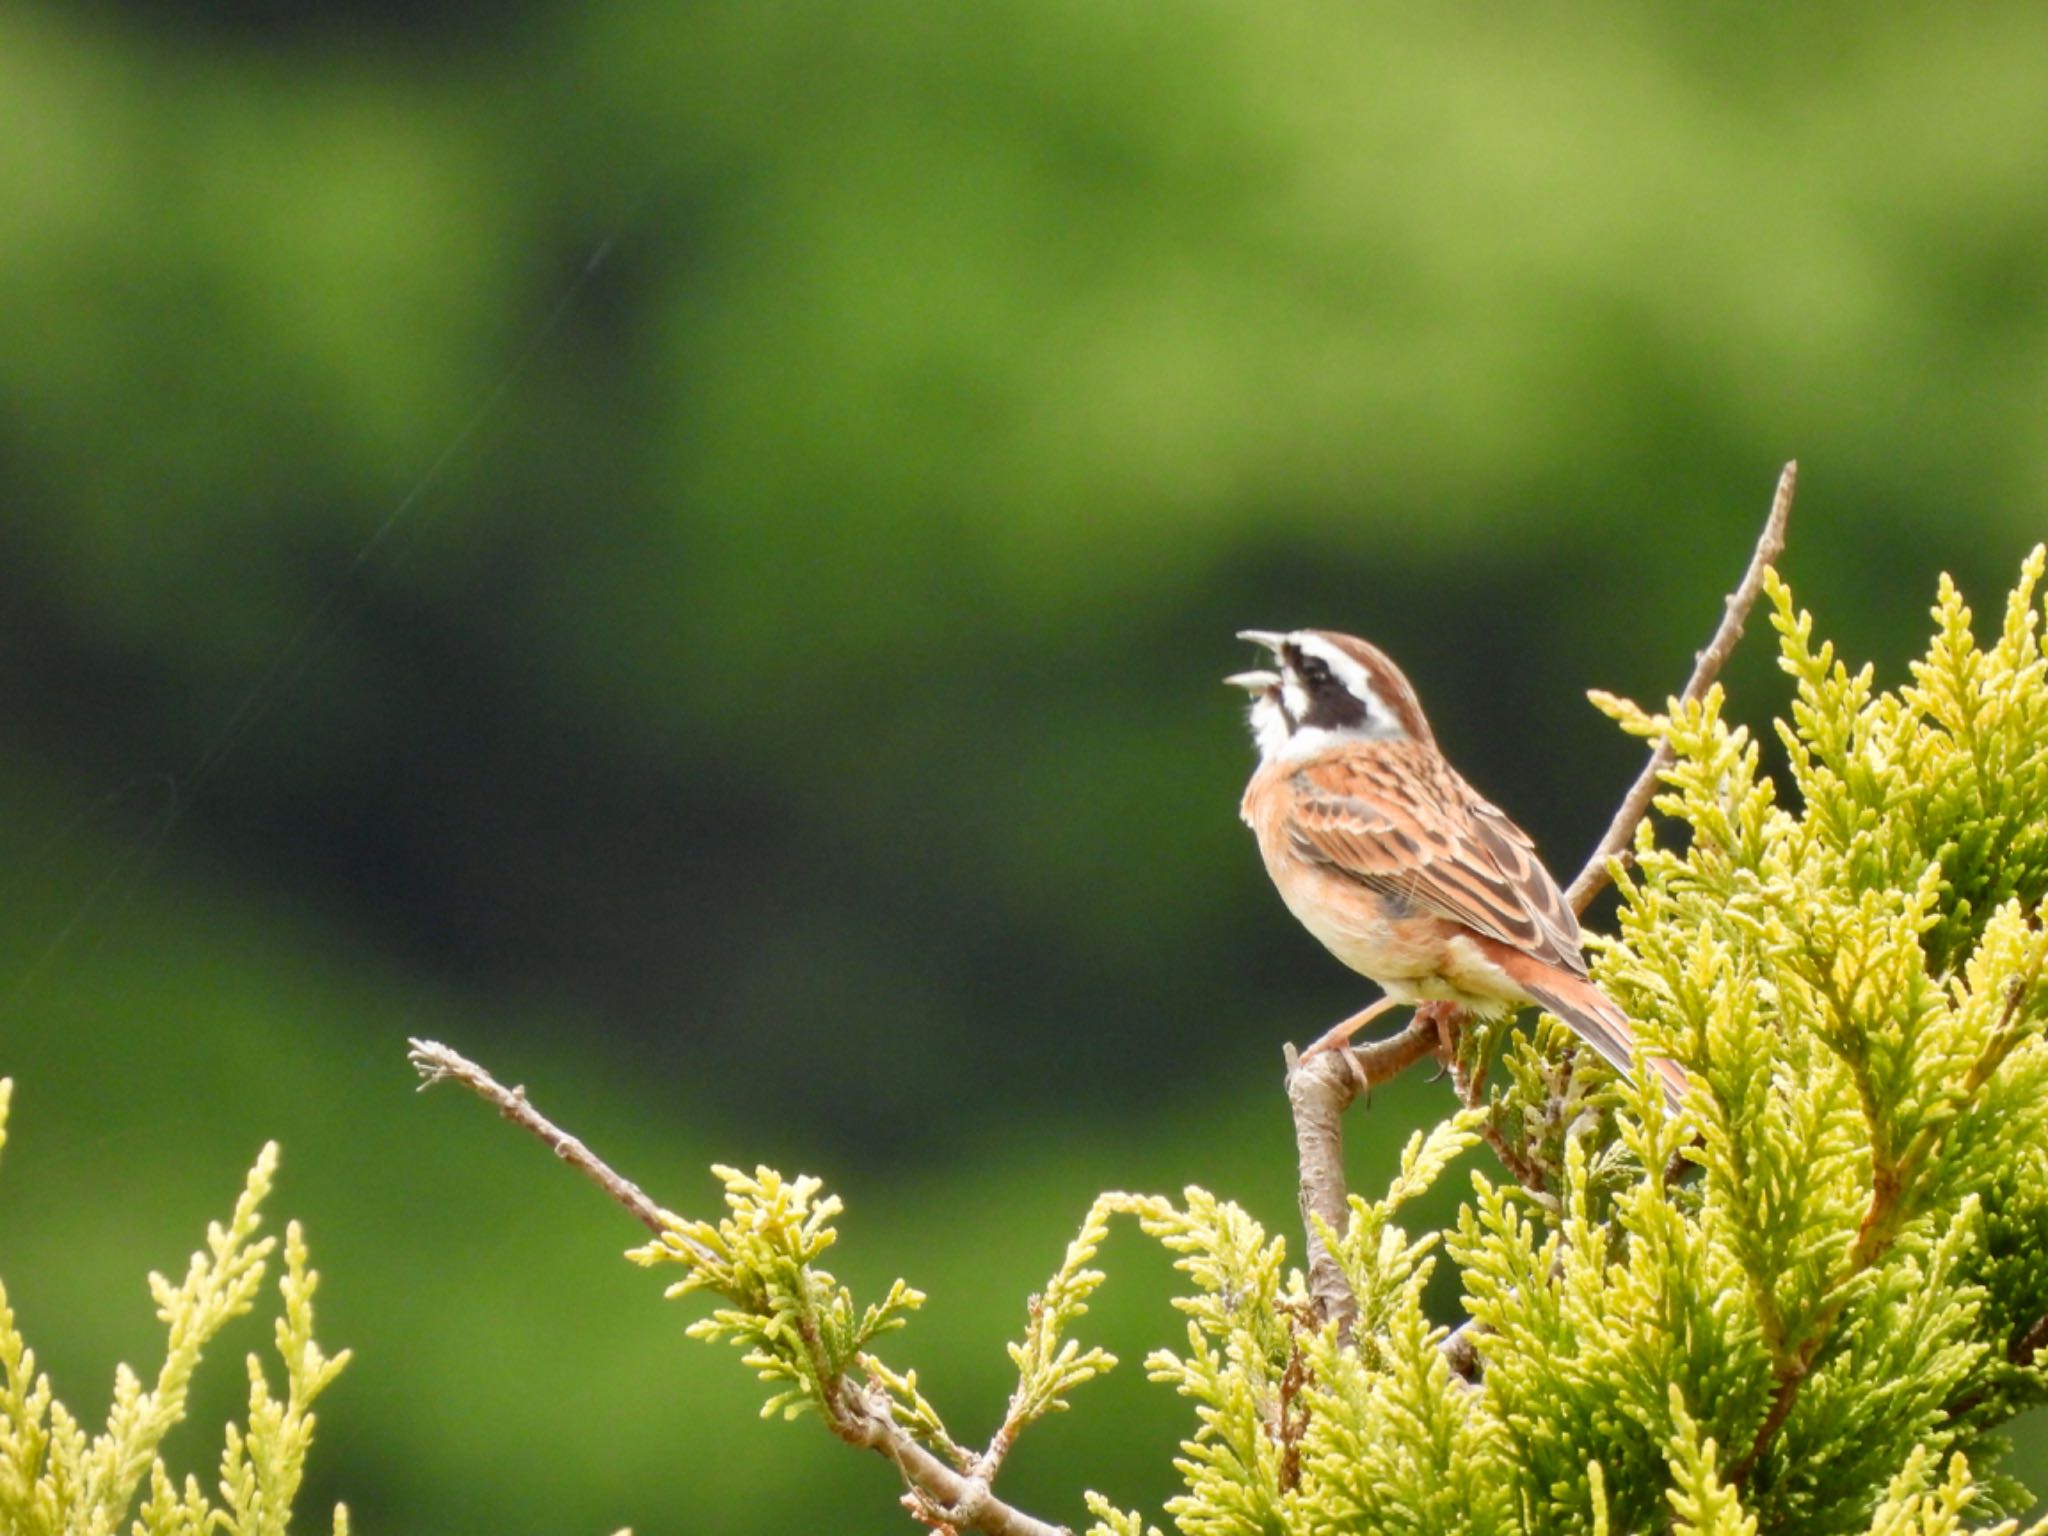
(688, 551)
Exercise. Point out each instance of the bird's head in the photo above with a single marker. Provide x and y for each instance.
(1323, 689)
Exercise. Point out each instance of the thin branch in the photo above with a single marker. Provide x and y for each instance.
(963, 1502)
(2029, 1344)
(1621, 832)
(436, 1063)
(858, 1417)
(1525, 1173)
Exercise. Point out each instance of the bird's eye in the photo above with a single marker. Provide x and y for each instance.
(1314, 671)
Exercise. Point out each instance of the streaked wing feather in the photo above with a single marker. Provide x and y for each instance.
(1399, 819)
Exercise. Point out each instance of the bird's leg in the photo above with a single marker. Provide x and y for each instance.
(1446, 1019)
(1341, 1034)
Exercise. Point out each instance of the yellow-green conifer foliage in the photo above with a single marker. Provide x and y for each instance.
(1803, 1302)
(56, 1479)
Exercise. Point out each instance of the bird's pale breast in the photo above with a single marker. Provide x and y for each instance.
(1412, 953)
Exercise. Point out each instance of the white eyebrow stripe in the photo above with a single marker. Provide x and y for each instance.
(1341, 662)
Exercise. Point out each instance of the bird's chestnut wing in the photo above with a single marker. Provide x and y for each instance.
(1398, 818)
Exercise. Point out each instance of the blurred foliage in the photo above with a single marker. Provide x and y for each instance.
(58, 1480)
(699, 543)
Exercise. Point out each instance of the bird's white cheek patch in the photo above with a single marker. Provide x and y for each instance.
(1269, 727)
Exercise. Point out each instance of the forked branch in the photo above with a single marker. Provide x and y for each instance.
(944, 1496)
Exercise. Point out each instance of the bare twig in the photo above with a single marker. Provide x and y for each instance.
(1621, 831)
(945, 1498)
(1321, 1089)
(436, 1063)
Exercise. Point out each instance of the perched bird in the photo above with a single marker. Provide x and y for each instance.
(1403, 870)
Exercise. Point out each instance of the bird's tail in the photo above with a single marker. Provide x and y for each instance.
(1597, 1020)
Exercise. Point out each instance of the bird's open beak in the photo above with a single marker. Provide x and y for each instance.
(1258, 682)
